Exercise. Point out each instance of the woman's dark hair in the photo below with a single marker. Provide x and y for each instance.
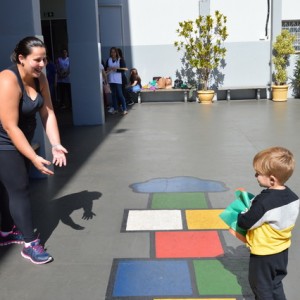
(134, 71)
(134, 76)
(120, 52)
(116, 50)
(24, 47)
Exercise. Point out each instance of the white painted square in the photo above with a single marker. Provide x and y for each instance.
(143, 220)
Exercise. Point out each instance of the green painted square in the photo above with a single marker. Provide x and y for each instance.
(178, 201)
(212, 278)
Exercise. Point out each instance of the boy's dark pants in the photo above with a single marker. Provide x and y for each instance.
(266, 273)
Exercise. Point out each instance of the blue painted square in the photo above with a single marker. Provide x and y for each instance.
(152, 278)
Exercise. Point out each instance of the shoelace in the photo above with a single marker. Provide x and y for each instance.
(38, 248)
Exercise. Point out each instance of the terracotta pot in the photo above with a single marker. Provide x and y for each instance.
(279, 92)
(206, 97)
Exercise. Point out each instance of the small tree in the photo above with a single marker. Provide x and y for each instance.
(282, 49)
(296, 78)
(202, 41)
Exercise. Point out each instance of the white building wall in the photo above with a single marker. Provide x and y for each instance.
(248, 44)
(153, 32)
(246, 20)
(155, 23)
(290, 10)
(150, 32)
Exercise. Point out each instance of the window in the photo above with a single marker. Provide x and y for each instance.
(293, 26)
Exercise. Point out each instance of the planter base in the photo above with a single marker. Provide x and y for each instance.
(206, 97)
(279, 93)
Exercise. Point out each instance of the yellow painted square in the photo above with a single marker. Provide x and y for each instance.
(205, 219)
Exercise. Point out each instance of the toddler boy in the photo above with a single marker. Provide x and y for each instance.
(269, 223)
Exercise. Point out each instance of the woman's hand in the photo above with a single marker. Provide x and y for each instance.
(111, 69)
(59, 157)
(40, 163)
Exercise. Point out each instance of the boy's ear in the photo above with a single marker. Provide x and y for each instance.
(273, 180)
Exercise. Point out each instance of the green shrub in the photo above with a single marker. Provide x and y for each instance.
(202, 40)
(282, 49)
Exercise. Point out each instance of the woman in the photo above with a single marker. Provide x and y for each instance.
(114, 67)
(24, 91)
(135, 81)
(134, 87)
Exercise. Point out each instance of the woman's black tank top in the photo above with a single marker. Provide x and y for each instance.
(27, 113)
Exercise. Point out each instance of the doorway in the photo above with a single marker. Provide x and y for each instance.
(55, 37)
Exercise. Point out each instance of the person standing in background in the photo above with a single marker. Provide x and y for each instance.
(114, 67)
(63, 80)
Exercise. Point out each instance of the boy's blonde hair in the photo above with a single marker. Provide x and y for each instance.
(276, 161)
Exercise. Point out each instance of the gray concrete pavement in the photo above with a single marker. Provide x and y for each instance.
(79, 211)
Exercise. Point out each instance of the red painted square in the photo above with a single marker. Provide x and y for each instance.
(186, 244)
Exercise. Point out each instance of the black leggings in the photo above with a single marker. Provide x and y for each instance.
(15, 206)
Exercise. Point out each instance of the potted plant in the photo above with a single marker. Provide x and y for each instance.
(202, 40)
(283, 47)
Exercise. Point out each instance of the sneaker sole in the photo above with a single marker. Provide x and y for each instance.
(37, 262)
(11, 242)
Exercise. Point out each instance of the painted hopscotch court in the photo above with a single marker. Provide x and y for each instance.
(186, 258)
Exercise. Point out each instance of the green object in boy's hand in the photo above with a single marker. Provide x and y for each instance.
(241, 203)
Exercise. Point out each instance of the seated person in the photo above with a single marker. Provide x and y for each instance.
(134, 86)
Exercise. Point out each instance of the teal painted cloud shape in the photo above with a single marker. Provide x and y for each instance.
(178, 184)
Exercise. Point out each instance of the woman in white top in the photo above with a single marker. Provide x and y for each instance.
(114, 67)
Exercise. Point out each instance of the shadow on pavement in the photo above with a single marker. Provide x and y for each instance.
(48, 216)
(80, 141)
(236, 261)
